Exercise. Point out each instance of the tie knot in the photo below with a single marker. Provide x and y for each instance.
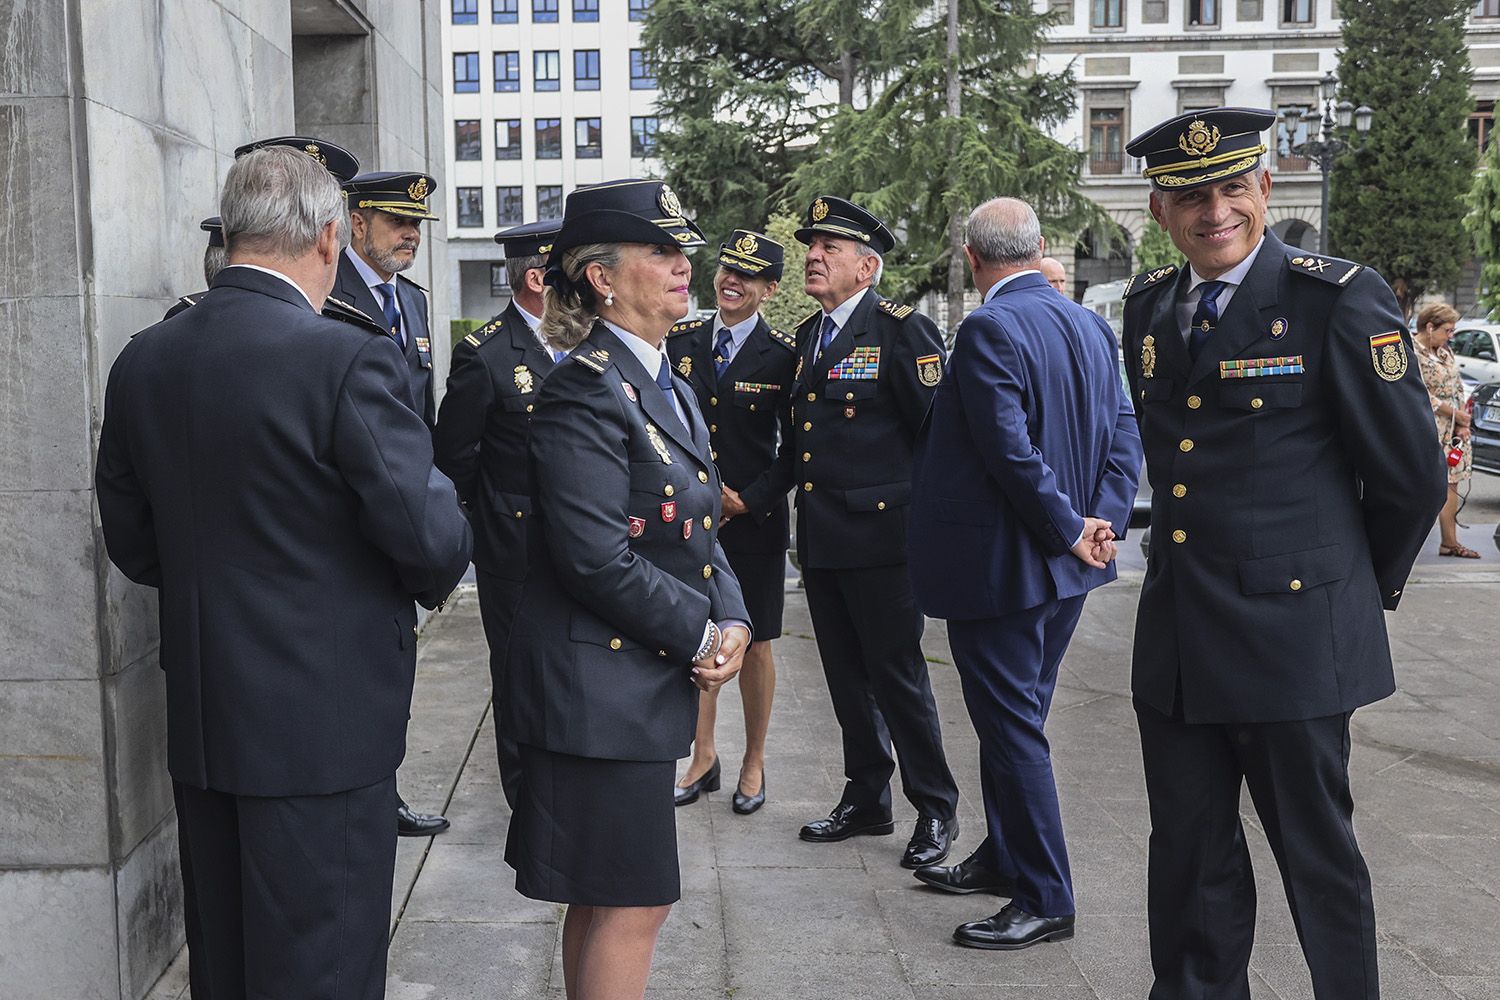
(1210, 291)
(664, 375)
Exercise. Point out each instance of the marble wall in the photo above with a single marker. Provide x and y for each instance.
(118, 121)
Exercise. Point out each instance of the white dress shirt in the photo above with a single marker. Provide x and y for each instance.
(738, 333)
(374, 280)
(1232, 278)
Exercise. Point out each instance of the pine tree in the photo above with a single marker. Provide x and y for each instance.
(1397, 205)
(1155, 249)
(790, 305)
(1483, 223)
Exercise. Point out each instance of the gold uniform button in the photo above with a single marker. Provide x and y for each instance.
(807, 456)
(708, 522)
(880, 505)
(668, 490)
(708, 571)
(1186, 444)
(615, 643)
(752, 407)
(529, 407)
(1179, 491)
(812, 397)
(807, 425)
(661, 652)
(1179, 536)
(713, 456)
(1194, 402)
(807, 487)
(848, 395)
(1295, 585)
(702, 476)
(1257, 403)
(520, 514)
(713, 400)
(713, 428)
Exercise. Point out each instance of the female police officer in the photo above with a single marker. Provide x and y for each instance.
(628, 601)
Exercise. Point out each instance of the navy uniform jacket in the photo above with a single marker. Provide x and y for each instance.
(1029, 432)
(1294, 480)
(625, 563)
(262, 467)
(854, 422)
(351, 288)
(332, 308)
(746, 410)
(480, 439)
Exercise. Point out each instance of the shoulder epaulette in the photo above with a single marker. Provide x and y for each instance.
(896, 309)
(1146, 279)
(484, 333)
(345, 313)
(596, 360)
(352, 309)
(686, 326)
(187, 300)
(809, 318)
(421, 288)
(784, 339)
(1330, 269)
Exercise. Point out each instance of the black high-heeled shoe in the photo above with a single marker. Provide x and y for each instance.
(686, 796)
(747, 804)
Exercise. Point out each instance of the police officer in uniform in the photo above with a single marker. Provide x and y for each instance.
(1288, 439)
(741, 370)
(386, 210)
(480, 443)
(213, 263)
(866, 371)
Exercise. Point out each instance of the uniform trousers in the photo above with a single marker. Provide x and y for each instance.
(1201, 890)
(869, 634)
(287, 898)
(498, 600)
(1008, 666)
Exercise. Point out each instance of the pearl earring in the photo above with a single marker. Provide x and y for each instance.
(609, 299)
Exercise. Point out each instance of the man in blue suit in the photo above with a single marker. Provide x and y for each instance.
(1028, 457)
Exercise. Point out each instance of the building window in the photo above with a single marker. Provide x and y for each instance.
(548, 67)
(1482, 122)
(1487, 8)
(1109, 13)
(588, 141)
(465, 11)
(510, 207)
(466, 139)
(642, 70)
(1297, 12)
(585, 10)
(549, 201)
(640, 8)
(586, 69)
(544, 11)
(466, 72)
(470, 206)
(549, 138)
(1203, 13)
(507, 72)
(1287, 140)
(643, 137)
(503, 12)
(1106, 146)
(499, 281)
(507, 138)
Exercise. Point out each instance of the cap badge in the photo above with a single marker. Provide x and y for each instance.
(819, 210)
(524, 380)
(746, 244)
(667, 199)
(311, 149)
(1199, 139)
(418, 190)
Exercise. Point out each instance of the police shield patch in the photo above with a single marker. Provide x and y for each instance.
(930, 369)
(1388, 354)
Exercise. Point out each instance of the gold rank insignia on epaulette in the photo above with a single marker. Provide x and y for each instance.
(484, 333)
(1146, 279)
(784, 339)
(686, 326)
(1330, 269)
(896, 309)
(594, 360)
(356, 310)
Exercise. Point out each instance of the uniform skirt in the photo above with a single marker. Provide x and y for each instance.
(594, 832)
(762, 578)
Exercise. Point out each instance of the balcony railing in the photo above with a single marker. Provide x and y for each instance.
(1101, 162)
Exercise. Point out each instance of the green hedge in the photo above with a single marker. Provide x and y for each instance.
(458, 329)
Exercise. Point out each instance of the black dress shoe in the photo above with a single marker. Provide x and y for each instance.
(747, 804)
(1013, 929)
(415, 824)
(969, 875)
(848, 821)
(687, 795)
(931, 840)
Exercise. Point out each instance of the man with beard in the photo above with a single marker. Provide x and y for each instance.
(386, 210)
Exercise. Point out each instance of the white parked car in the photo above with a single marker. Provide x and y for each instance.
(1477, 348)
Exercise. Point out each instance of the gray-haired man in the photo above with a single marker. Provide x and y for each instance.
(261, 466)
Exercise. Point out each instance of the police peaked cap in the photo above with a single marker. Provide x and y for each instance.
(752, 253)
(402, 193)
(840, 217)
(340, 162)
(529, 240)
(1202, 147)
(625, 211)
(215, 230)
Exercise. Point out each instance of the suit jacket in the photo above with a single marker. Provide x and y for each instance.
(480, 439)
(262, 467)
(854, 420)
(1293, 478)
(1029, 432)
(626, 569)
(746, 411)
(351, 288)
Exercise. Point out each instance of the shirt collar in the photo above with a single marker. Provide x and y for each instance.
(649, 357)
(531, 321)
(366, 272)
(995, 288)
(278, 274)
(739, 331)
(844, 310)
(1233, 277)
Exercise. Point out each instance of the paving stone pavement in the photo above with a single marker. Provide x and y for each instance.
(765, 915)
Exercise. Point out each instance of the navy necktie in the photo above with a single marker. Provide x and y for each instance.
(721, 353)
(1205, 317)
(392, 317)
(830, 330)
(664, 381)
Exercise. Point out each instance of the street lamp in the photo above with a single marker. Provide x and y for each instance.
(1334, 123)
